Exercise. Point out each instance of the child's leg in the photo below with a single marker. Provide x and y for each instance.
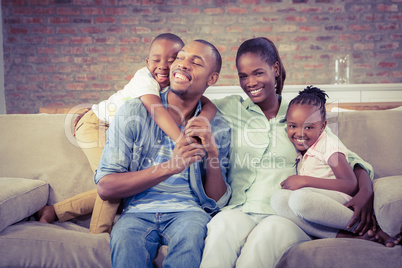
(103, 216)
(325, 208)
(280, 204)
(81, 204)
(321, 206)
(90, 134)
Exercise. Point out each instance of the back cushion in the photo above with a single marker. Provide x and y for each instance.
(41, 146)
(375, 136)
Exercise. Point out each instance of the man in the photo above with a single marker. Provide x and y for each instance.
(169, 189)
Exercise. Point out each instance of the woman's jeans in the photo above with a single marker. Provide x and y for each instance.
(136, 238)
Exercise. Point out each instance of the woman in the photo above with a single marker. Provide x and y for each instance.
(246, 233)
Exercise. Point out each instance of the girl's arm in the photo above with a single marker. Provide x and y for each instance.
(161, 116)
(346, 181)
(362, 203)
(208, 108)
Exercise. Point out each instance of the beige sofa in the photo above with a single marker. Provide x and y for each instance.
(41, 164)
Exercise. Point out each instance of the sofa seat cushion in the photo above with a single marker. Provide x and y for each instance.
(20, 198)
(341, 252)
(388, 204)
(49, 245)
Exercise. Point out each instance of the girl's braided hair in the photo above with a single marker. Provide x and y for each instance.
(313, 96)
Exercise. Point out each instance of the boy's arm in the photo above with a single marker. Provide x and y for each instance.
(161, 116)
(208, 108)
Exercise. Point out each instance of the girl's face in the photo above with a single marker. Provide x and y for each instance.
(304, 125)
(257, 78)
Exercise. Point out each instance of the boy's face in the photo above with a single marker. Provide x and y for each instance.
(304, 125)
(161, 55)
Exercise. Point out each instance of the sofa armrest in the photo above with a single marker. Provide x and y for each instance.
(388, 204)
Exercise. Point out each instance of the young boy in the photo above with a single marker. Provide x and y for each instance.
(91, 127)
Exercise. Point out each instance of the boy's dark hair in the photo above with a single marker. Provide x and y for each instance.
(313, 96)
(267, 51)
(169, 37)
(218, 58)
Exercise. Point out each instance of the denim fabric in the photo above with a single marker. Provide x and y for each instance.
(136, 238)
(134, 140)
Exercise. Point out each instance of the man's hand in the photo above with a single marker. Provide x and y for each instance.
(184, 154)
(199, 129)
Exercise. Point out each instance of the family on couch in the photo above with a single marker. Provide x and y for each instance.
(169, 200)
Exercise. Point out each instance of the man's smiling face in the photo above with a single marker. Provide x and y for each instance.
(192, 70)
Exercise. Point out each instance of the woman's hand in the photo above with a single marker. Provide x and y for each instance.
(362, 205)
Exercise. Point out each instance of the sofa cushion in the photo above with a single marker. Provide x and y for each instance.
(341, 252)
(36, 244)
(388, 204)
(20, 198)
(374, 136)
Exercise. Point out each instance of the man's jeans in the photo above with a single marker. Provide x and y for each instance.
(136, 238)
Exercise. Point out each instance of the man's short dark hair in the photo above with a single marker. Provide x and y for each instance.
(218, 58)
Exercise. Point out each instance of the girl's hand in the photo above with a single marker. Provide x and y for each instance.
(294, 182)
(362, 205)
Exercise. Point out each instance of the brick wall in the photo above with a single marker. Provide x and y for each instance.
(67, 52)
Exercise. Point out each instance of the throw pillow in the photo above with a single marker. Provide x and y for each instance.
(20, 198)
(388, 203)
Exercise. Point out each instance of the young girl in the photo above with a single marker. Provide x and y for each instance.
(315, 197)
(90, 130)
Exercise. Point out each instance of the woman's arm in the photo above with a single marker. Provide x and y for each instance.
(362, 203)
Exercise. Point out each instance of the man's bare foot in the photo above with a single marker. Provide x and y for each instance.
(378, 236)
(47, 214)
